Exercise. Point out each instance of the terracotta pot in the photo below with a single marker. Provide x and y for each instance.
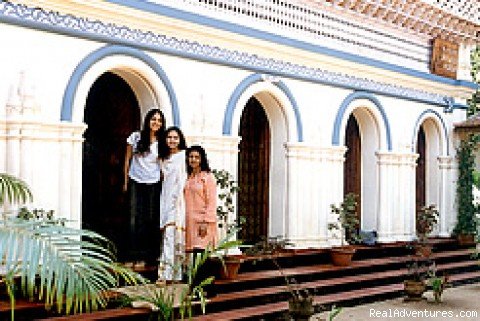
(342, 256)
(301, 308)
(424, 250)
(466, 239)
(230, 270)
(414, 289)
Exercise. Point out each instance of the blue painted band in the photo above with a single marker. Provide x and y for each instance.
(92, 58)
(242, 86)
(341, 115)
(263, 35)
(417, 126)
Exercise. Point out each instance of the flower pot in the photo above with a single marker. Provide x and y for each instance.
(229, 271)
(466, 239)
(414, 289)
(301, 308)
(342, 256)
(423, 250)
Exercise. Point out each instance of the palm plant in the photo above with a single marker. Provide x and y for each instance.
(13, 190)
(67, 268)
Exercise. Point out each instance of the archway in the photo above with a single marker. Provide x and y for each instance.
(352, 171)
(363, 139)
(420, 171)
(112, 112)
(430, 144)
(253, 172)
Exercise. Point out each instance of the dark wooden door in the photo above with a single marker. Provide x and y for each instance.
(111, 113)
(253, 169)
(420, 171)
(352, 171)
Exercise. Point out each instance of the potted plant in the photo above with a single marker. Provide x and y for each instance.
(427, 218)
(414, 284)
(347, 224)
(227, 187)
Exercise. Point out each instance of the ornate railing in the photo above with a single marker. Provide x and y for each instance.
(303, 21)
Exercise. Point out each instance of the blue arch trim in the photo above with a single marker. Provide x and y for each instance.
(92, 58)
(341, 114)
(244, 84)
(417, 126)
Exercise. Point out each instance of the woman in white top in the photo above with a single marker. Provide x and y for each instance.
(142, 179)
(172, 205)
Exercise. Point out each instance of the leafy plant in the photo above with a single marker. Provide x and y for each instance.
(13, 190)
(268, 245)
(417, 270)
(437, 283)
(65, 267)
(474, 101)
(347, 222)
(227, 187)
(160, 298)
(466, 223)
(427, 218)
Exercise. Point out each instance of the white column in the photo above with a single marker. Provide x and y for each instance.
(409, 214)
(384, 214)
(315, 180)
(396, 196)
(447, 196)
(76, 173)
(222, 151)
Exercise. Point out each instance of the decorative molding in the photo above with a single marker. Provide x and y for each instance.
(38, 18)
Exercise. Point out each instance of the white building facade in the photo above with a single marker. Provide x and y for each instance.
(300, 84)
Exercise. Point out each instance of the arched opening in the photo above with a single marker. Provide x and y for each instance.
(420, 171)
(112, 112)
(352, 170)
(253, 171)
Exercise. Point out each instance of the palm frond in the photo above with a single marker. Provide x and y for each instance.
(13, 190)
(67, 268)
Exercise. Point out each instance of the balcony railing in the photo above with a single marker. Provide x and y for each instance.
(299, 20)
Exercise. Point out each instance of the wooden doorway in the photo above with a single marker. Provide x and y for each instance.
(420, 171)
(111, 113)
(352, 170)
(253, 172)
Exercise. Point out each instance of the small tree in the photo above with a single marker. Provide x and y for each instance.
(347, 220)
(227, 187)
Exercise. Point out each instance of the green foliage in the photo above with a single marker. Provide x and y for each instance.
(227, 187)
(65, 267)
(466, 222)
(347, 220)
(161, 298)
(437, 283)
(334, 312)
(69, 269)
(474, 101)
(427, 218)
(13, 190)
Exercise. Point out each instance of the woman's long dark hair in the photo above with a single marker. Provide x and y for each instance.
(204, 166)
(163, 149)
(143, 145)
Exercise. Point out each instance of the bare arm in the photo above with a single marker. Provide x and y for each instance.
(126, 166)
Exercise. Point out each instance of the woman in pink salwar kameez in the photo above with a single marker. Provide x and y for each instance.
(200, 202)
